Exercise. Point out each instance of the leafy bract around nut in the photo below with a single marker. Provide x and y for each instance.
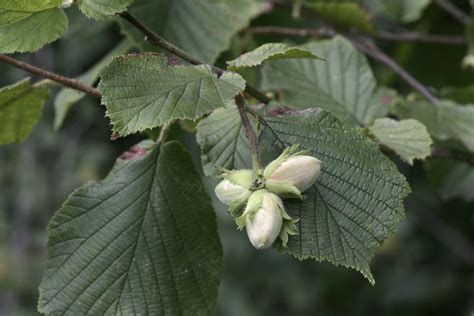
(233, 190)
(292, 173)
(265, 220)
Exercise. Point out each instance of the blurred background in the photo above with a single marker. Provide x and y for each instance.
(427, 268)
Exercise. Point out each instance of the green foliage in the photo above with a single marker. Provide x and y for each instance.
(463, 94)
(142, 241)
(269, 51)
(343, 84)
(346, 14)
(21, 106)
(405, 11)
(26, 26)
(202, 27)
(223, 142)
(356, 203)
(445, 120)
(102, 9)
(409, 139)
(66, 97)
(143, 91)
(452, 178)
(28, 5)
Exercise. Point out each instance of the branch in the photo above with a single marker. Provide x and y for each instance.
(250, 133)
(446, 153)
(317, 33)
(373, 51)
(421, 38)
(454, 11)
(65, 81)
(157, 40)
(368, 48)
(324, 32)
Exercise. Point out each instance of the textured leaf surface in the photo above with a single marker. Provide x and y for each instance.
(223, 142)
(66, 98)
(401, 10)
(268, 52)
(143, 91)
(408, 138)
(347, 13)
(201, 27)
(28, 26)
(29, 5)
(343, 84)
(141, 242)
(21, 106)
(356, 203)
(445, 120)
(102, 9)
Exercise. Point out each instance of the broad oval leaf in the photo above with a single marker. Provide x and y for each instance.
(16, 25)
(269, 51)
(21, 107)
(409, 139)
(102, 9)
(223, 142)
(344, 84)
(356, 203)
(204, 28)
(142, 241)
(143, 91)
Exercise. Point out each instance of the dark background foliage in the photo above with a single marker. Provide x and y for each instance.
(425, 269)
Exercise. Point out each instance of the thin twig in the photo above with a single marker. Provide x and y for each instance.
(317, 33)
(446, 153)
(418, 37)
(373, 51)
(454, 11)
(323, 32)
(65, 81)
(368, 48)
(250, 133)
(157, 40)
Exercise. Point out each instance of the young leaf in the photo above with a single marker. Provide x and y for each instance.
(223, 142)
(357, 201)
(408, 138)
(202, 27)
(21, 106)
(143, 91)
(344, 84)
(67, 97)
(445, 120)
(19, 18)
(268, 52)
(103, 9)
(141, 242)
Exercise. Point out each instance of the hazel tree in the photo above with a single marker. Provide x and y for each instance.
(144, 240)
